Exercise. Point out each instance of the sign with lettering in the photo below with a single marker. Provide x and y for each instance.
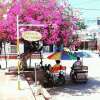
(31, 35)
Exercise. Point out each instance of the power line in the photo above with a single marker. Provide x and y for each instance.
(86, 2)
(89, 1)
(82, 2)
(88, 9)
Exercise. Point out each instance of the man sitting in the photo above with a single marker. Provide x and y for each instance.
(57, 67)
(77, 64)
(79, 72)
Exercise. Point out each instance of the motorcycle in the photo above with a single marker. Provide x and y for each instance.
(54, 79)
(79, 74)
(60, 79)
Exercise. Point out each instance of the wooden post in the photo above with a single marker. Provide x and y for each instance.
(35, 74)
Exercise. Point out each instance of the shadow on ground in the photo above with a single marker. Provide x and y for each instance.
(91, 87)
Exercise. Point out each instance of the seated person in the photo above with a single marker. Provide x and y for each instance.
(77, 64)
(57, 67)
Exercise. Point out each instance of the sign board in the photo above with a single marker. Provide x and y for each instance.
(31, 35)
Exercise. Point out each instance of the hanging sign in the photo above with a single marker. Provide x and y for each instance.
(31, 35)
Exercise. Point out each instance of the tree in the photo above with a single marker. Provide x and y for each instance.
(74, 42)
(58, 20)
(58, 24)
(81, 25)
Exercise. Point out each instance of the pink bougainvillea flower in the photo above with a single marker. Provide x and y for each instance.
(57, 24)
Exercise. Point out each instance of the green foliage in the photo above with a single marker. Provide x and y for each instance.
(81, 25)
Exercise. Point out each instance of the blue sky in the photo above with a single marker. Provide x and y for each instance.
(90, 9)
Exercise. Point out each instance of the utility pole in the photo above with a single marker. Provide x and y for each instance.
(17, 46)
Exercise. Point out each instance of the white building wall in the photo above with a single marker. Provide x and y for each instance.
(7, 48)
(12, 49)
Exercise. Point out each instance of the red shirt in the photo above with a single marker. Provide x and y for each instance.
(56, 68)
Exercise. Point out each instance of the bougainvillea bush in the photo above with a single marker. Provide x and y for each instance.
(59, 23)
